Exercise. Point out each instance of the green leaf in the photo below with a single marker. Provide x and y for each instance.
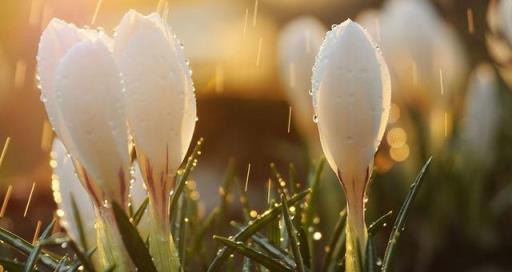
(182, 229)
(292, 179)
(378, 224)
(251, 229)
(244, 201)
(191, 161)
(78, 219)
(275, 252)
(132, 241)
(273, 230)
(137, 216)
(305, 248)
(112, 268)
(11, 266)
(34, 254)
(335, 242)
(371, 256)
(402, 217)
(294, 243)
(258, 257)
(82, 259)
(208, 222)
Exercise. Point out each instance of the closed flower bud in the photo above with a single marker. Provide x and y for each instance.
(298, 45)
(351, 98)
(481, 113)
(160, 100)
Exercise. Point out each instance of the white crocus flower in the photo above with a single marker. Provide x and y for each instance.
(482, 113)
(82, 88)
(299, 43)
(351, 98)
(161, 112)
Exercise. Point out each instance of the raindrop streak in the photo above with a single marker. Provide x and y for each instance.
(4, 151)
(471, 22)
(96, 10)
(20, 74)
(289, 118)
(441, 81)
(269, 188)
(260, 43)
(36, 232)
(29, 199)
(255, 13)
(247, 176)
(6, 200)
(245, 20)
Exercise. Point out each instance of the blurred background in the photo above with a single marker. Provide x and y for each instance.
(442, 54)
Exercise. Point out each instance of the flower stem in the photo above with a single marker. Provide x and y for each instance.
(111, 250)
(161, 243)
(356, 237)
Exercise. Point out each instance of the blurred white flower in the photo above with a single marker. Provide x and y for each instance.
(299, 43)
(481, 113)
(160, 100)
(499, 36)
(66, 185)
(351, 98)
(424, 53)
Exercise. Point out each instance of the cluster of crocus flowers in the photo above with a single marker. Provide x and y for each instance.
(299, 43)
(351, 98)
(99, 91)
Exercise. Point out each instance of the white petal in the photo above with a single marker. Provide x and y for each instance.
(482, 112)
(299, 43)
(160, 100)
(56, 40)
(65, 185)
(351, 94)
(505, 10)
(89, 97)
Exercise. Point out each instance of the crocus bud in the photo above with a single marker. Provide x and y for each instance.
(67, 187)
(481, 113)
(351, 99)
(161, 113)
(499, 36)
(298, 45)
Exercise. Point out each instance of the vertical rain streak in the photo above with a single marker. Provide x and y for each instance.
(29, 199)
(255, 13)
(7, 196)
(247, 177)
(4, 150)
(258, 55)
(96, 11)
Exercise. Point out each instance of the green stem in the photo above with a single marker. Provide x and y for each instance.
(161, 243)
(111, 250)
(356, 237)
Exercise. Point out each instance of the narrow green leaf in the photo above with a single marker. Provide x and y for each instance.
(402, 217)
(181, 181)
(137, 216)
(378, 224)
(252, 228)
(292, 179)
(79, 224)
(82, 259)
(208, 222)
(258, 257)
(281, 183)
(11, 266)
(371, 256)
(26, 248)
(273, 230)
(294, 243)
(305, 247)
(34, 254)
(337, 237)
(132, 241)
(182, 229)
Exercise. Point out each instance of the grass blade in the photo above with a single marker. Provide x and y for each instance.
(292, 236)
(371, 256)
(258, 257)
(183, 176)
(305, 246)
(133, 242)
(252, 228)
(378, 224)
(34, 255)
(337, 237)
(402, 217)
(137, 216)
